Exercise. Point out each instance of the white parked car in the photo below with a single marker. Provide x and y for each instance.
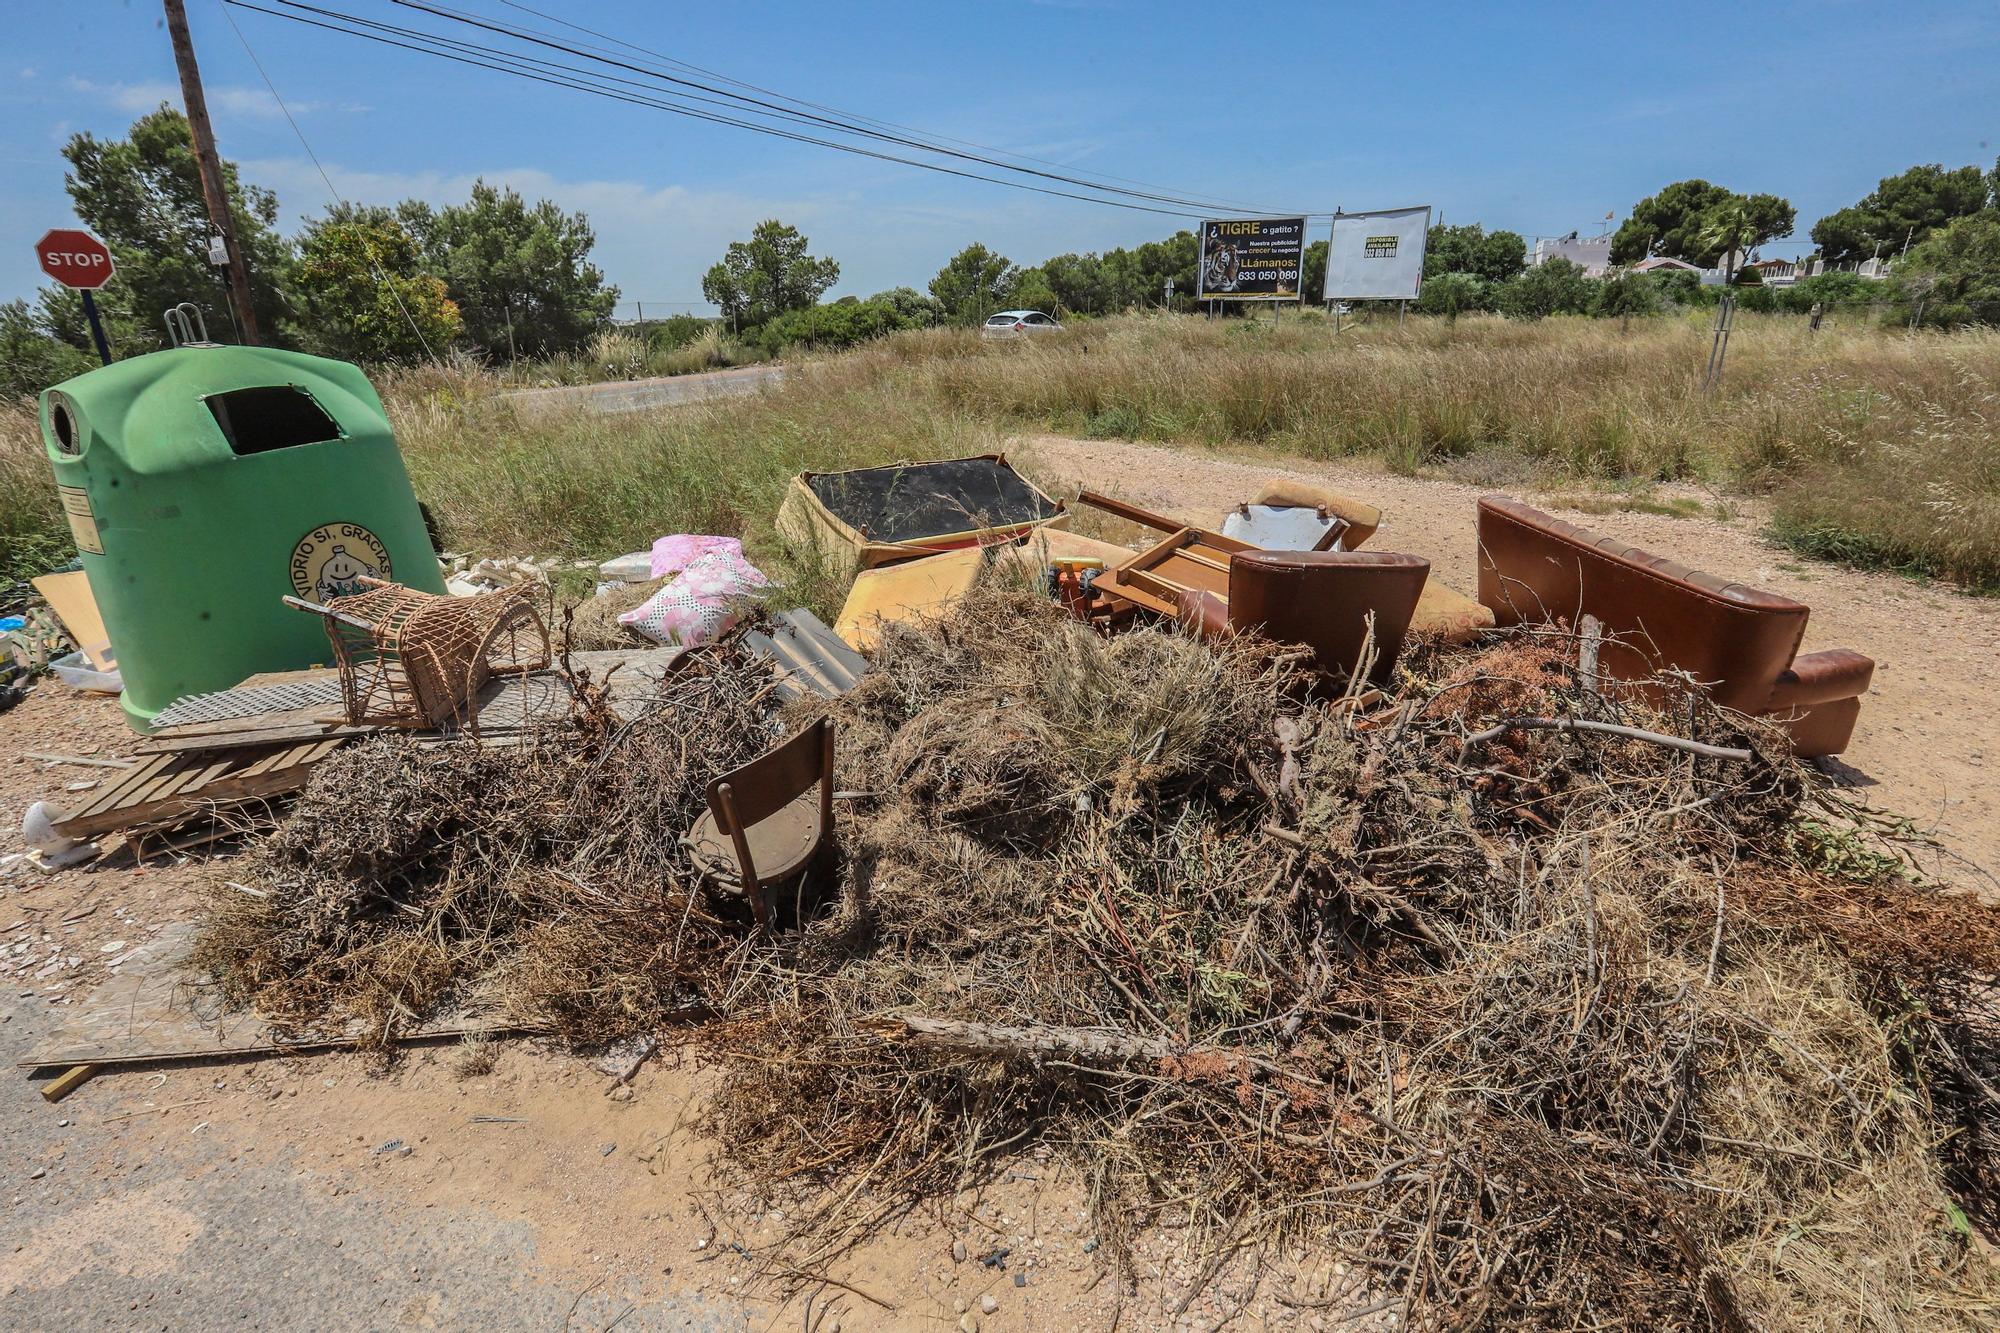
(1018, 324)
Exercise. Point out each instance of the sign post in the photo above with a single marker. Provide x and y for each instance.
(77, 259)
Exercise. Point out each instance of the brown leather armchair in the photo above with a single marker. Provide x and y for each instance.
(1320, 599)
(1740, 641)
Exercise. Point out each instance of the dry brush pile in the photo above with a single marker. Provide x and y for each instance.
(1550, 1026)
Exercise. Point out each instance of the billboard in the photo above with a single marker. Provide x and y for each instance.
(1251, 259)
(1377, 256)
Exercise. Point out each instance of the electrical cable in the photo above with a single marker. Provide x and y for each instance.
(852, 115)
(565, 76)
(374, 260)
(759, 105)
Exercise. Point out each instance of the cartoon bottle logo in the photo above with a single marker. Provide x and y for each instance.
(341, 574)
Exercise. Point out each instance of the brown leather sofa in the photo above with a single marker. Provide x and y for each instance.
(1320, 599)
(1741, 641)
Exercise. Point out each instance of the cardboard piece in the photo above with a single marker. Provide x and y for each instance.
(900, 591)
(69, 596)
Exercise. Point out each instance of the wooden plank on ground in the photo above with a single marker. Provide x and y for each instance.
(152, 1012)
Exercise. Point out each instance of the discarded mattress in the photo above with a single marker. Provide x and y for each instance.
(878, 515)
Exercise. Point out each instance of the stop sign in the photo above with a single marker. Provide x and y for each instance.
(75, 258)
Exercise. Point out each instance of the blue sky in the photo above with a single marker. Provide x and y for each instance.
(1536, 117)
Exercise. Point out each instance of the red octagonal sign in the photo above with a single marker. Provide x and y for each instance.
(75, 258)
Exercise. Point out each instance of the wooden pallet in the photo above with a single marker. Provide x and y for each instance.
(171, 785)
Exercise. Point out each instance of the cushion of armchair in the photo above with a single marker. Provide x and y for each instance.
(1822, 677)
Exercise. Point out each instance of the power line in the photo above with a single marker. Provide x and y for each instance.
(557, 75)
(848, 115)
(663, 105)
(759, 105)
(374, 261)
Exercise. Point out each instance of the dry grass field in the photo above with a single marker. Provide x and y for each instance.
(1874, 446)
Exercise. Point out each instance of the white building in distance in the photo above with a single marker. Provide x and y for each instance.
(1592, 254)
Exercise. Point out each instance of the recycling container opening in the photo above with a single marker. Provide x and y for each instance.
(275, 417)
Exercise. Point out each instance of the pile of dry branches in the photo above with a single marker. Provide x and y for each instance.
(545, 881)
(1538, 1024)
(1546, 1002)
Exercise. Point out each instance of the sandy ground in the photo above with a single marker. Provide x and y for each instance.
(331, 1192)
(1928, 741)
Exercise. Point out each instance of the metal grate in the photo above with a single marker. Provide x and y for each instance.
(248, 701)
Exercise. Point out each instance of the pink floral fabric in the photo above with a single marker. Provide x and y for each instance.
(702, 602)
(673, 554)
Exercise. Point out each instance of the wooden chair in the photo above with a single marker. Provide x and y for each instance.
(764, 821)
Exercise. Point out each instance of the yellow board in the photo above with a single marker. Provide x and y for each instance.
(69, 596)
(902, 591)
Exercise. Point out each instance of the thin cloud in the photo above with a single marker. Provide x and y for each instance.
(139, 98)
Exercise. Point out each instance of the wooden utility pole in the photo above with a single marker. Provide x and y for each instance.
(210, 165)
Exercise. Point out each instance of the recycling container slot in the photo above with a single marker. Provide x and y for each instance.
(280, 416)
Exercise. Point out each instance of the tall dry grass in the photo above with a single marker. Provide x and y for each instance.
(1875, 446)
(33, 536)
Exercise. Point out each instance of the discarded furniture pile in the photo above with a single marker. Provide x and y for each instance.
(1280, 891)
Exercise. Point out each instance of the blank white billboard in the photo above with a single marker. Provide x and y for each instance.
(1377, 256)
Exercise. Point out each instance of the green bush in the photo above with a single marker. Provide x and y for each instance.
(824, 327)
(1676, 285)
(32, 358)
(674, 332)
(1953, 278)
(1625, 294)
(1838, 289)
(1454, 294)
(1557, 287)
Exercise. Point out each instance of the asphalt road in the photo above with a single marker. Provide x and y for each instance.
(102, 1227)
(647, 395)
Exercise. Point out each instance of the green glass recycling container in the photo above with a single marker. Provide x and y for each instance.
(204, 483)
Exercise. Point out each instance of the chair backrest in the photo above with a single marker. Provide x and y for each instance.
(776, 778)
(1323, 600)
(1656, 613)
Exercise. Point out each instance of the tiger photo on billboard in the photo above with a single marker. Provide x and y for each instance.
(1220, 264)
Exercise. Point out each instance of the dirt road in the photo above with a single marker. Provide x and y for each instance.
(1929, 736)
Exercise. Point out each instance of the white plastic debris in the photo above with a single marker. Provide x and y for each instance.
(634, 567)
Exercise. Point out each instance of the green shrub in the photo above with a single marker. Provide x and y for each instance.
(1557, 287)
(675, 332)
(1454, 294)
(825, 327)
